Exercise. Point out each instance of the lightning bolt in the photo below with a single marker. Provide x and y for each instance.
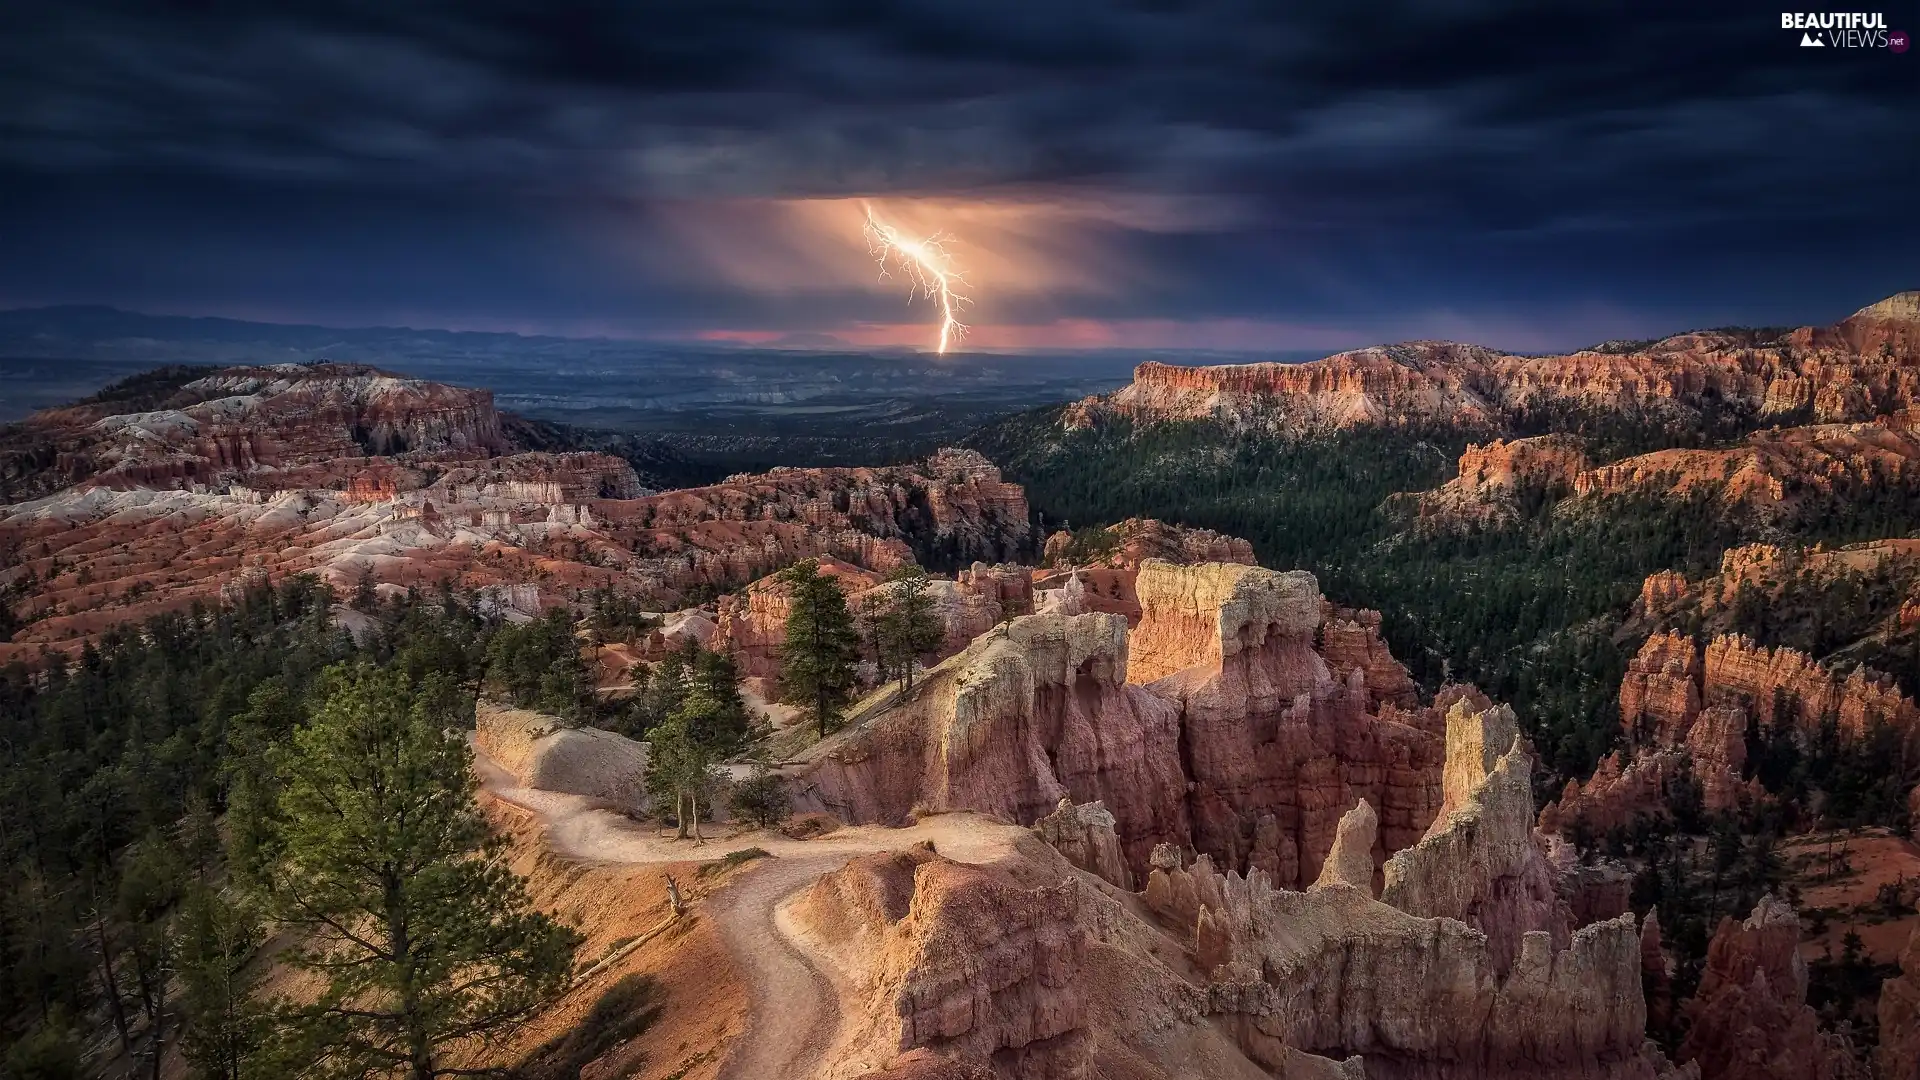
(927, 265)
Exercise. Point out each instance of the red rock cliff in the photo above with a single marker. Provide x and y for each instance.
(1845, 373)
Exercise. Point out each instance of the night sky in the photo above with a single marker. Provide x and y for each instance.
(1155, 174)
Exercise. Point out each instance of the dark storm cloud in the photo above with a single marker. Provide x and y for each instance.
(1656, 159)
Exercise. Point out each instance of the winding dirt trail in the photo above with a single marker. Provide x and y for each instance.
(797, 1006)
(795, 1015)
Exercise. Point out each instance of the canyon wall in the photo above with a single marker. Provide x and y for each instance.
(1848, 373)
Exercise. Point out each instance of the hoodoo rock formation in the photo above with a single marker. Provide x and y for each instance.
(1100, 574)
(1350, 639)
(1024, 966)
(1028, 714)
(1685, 707)
(1214, 725)
(1330, 971)
(1083, 833)
(1480, 863)
(1848, 373)
(1278, 743)
(1018, 969)
(351, 474)
(1750, 1018)
(1899, 1054)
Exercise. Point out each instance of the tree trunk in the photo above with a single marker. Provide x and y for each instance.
(112, 985)
(695, 798)
(159, 1025)
(143, 981)
(400, 943)
(680, 815)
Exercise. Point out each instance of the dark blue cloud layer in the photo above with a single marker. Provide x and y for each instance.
(1510, 164)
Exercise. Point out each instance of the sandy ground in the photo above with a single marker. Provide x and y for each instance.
(774, 713)
(795, 1012)
(1877, 857)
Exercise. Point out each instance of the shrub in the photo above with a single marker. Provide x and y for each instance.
(762, 799)
(732, 859)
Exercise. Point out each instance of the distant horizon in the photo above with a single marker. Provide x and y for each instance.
(821, 342)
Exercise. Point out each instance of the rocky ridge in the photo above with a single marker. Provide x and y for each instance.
(1776, 467)
(1860, 368)
(752, 622)
(1135, 540)
(1493, 476)
(274, 428)
(1767, 569)
(1771, 472)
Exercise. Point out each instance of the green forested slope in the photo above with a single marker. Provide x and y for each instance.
(1535, 613)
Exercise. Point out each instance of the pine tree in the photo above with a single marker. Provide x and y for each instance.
(679, 763)
(427, 942)
(906, 627)
(227, 1025)
(50, 1051)
(816, 663)
(152, 879)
